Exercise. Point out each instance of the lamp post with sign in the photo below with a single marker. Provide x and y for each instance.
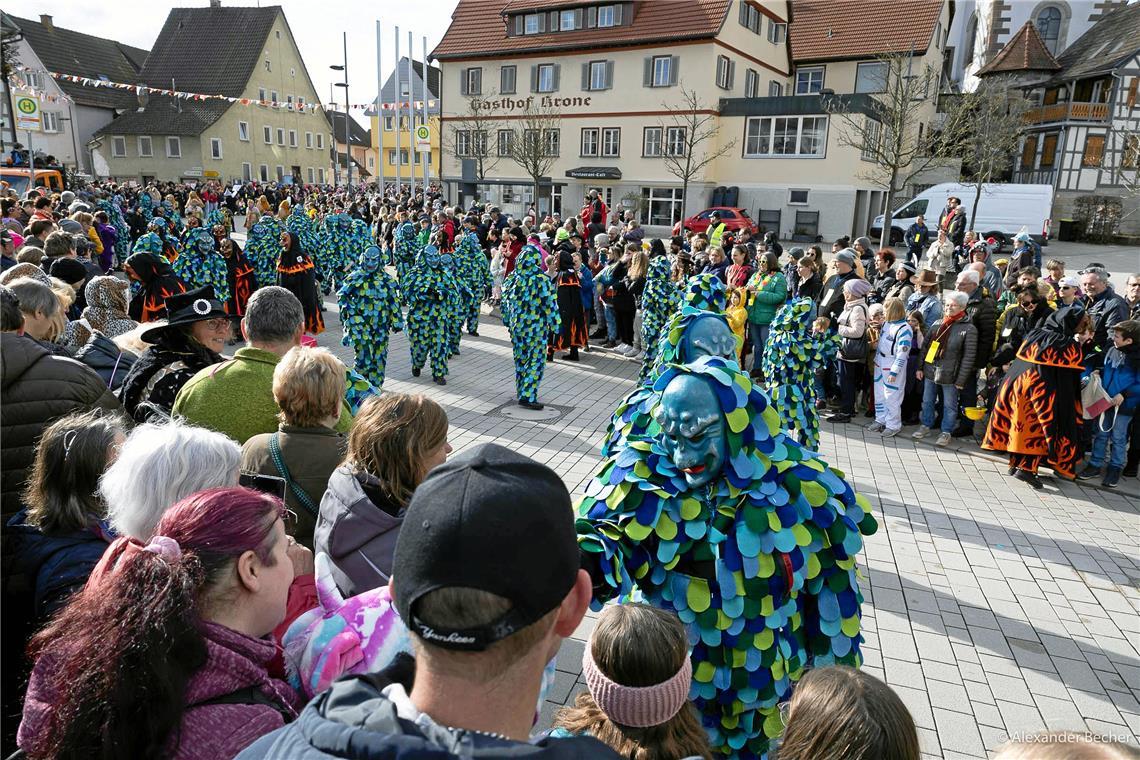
(28, 119)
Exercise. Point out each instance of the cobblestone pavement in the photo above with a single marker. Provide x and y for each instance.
(992, 609)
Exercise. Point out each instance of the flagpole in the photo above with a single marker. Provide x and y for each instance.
(427, 157)
(396, 120)
(411, 116)
(379, 136)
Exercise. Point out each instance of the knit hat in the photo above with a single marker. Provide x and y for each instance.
(637, 706)
(857, 288)
(795, 253)
(70, 271)
(562, 234)
(847, 256)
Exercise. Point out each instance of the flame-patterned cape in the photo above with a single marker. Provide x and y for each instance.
(1038, 407)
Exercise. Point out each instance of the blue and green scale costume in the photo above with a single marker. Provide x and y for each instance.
(114, 212)
(369, 303)
(200, 264)
(757, 557)
(791, 359)
(474, 272)
(658, 302)
(263, 249)
(404, 249)
(432, 294)
(530, 314)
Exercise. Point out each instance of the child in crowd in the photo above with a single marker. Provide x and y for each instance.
(840, 713)
(1119, 369)
(637, 668)
(737, 316)
(912, 394)
(891, 356)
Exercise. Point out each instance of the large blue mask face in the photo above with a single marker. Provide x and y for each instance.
(344, 223)
(446, 260)
(708, 336)
(431, 256)
(203, 243)
(693, 429)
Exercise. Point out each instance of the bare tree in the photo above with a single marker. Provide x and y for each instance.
(473, 134)
(534, 142)
(1126, 166)
(989, 122)
(886, 128)
(689, 140)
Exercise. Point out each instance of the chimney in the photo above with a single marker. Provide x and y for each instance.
(215, 3)
(45, 20)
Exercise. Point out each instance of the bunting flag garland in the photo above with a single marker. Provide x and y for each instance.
(141, 90)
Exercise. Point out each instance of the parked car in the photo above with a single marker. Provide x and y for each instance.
(734, 218)
(1002, 212)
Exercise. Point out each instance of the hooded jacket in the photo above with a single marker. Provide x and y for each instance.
(103, 355)
(38, 388)
(370, 716)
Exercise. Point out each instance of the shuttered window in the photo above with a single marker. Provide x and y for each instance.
(1094, 151)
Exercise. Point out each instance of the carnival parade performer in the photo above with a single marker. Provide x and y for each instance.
(263, 249)
(530, 314)
(296, 274)
(750, 538)
(474, 271)
(790, 360)
(152, 280)
(404, 247)
(200, 264)
(432, 294)
(369, 303)
(659, 301)
(241, 279)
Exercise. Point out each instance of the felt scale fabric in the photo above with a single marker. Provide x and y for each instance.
(404, 249)
(263, 248)
(750, 538)
(658, 302)
(433, 296)
(474, 271)
(530, 314)
(338, 250)
(369, 303)
(200, 264)
(114, 210)
(792, 357)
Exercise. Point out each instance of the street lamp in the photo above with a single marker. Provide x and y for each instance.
(347, 146)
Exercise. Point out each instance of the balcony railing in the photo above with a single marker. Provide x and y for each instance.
(1034, 177)
(1067, 112)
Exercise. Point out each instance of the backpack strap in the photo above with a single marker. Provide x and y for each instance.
(279, 463)
(249, 695)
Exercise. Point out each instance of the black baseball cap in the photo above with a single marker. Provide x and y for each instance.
(492, 520)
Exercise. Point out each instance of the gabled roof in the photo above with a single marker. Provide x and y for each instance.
(478, 27)
(433, 77)
(69, 52)
(1107, 44)
(1025, 52)
(388, 91)
(827, 30)
(356, 133)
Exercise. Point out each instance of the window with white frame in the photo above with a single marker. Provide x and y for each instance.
(664, 205)
(777, 32)
(118, 147)
(33, 80)
(308, 139)
(589, 141)
(478, 143)
(750, 17)
(751, 83)
(246, 171)
(261, 94)
(804, 136)
(871, 77)
(472, 81)
(598, 75)
(809, 81)
(797, 197)
(280, 135)
(724, 72)
(280, 173)
(651, 142)
(389, 123)
(662, 71)
(173, 147)
(371, 162)
(51, 121)
(273, 96)
(267, 134)
(312, 174)
(463, 143)
(872, 132)
(531, 24)
(243, 131)
(215, 147)
(268, 65)
(145, 146)
(567, 21)
(551, 139)
(321, 175)
(611, 142)
(544, 78)
(263, 173)
(609, 15)
(775, 89)
(505, 141)
(675, 141)
(292, 138)
(507, 79)
(320, 141)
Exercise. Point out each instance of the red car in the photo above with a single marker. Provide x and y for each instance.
(734, 218)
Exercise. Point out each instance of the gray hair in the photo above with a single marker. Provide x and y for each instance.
(1097, 272)
(34, 297)
(970, 275)
(957, 297)
(159, 465)
(58, 244)
(274, 315)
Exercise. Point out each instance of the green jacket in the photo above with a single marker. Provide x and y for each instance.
(236, 397)
(771, 292)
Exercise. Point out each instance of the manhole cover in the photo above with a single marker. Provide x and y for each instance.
(513, 411)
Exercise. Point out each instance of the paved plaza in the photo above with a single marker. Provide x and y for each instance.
(992, 609)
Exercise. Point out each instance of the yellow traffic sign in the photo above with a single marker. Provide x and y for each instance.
(28, 113)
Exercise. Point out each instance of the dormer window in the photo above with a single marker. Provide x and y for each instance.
(609, 15)
(589, 16)
(531, 23)
(567, 21)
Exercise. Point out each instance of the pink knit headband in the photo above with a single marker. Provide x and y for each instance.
(637, 706)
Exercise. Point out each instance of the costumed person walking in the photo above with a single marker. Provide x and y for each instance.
(263, 249)
(790, 360)
(295, 273)
(241, 279)
(891, 355)
(1037, 414)
(404, 247)
(152, 280)
(369, 303)
(432, 295)
(200, 264)
(748, 537)
(475, 272)
(571, 333)
(530, 314)
(659, 301)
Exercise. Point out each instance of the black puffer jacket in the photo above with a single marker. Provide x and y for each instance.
(101, 354)
(37, 388)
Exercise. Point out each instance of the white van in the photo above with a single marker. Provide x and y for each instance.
(1003, 211)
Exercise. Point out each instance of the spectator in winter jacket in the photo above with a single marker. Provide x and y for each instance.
(1119, 368)
(852, 324)
(948, 366)
(211, 585)
(832, 301)
(486, 613)
(952, 220)
(767, 292)
(1132, 296)
(917, 238)
(1105, 307)
(718, 265)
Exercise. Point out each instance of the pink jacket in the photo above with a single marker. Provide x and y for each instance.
(234, 661)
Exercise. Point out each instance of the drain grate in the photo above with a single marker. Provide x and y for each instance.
(511, 410)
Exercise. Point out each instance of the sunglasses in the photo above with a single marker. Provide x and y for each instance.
(1029, 305)
(1067, 287)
